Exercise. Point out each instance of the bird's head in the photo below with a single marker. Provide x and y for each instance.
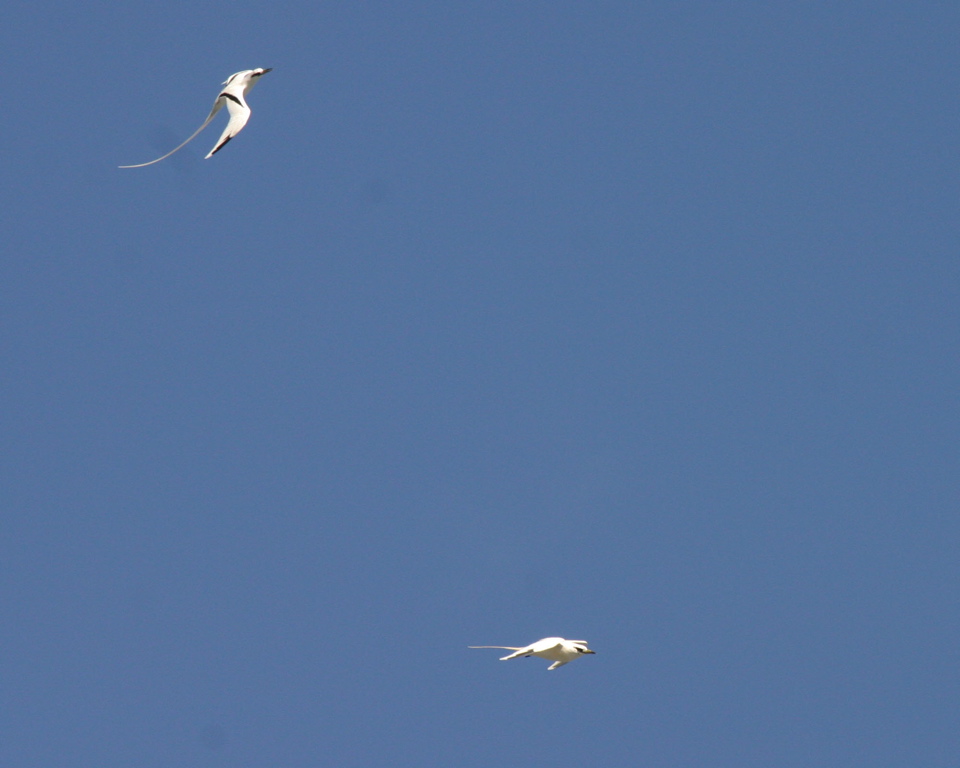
(580, 647)
(247, 77)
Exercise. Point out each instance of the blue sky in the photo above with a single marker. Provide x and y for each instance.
(634, 322)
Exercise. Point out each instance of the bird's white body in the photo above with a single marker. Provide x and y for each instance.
(555, 649)
(233, 95)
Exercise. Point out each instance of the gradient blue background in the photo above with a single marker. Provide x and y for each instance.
(627, 321)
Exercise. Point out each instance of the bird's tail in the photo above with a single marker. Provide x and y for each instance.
(504, 648)
(216, 108)
(501, 647)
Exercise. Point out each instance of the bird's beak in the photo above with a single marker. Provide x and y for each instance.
(589, 651)
(268, 69)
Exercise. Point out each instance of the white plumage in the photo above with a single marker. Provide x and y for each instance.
(555, 649)
(233, 95)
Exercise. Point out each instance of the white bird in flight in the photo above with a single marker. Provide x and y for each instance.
(237, 87)
(556, 649)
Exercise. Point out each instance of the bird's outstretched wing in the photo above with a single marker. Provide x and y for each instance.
(216, 108)
(239, 114)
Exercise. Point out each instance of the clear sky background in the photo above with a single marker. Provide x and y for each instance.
(628, 321)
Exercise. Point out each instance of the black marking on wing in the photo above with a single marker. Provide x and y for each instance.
(221, 146)
(231, 97)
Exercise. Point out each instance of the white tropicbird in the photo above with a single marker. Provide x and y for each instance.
(556, 649)
(237, 87)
